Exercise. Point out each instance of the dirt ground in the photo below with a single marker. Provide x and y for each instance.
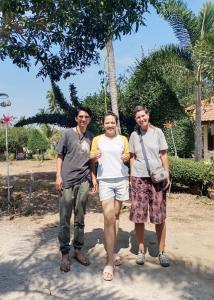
(29, 257)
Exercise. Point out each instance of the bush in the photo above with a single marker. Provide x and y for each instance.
(51, 154)
(192, 173)
(37, 141)
(183, 133)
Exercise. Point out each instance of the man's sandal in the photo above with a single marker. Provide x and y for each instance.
(81, 258)
(65, 266)
(117, 260)
(108, 273)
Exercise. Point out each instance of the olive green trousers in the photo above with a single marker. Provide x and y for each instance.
(72, 199)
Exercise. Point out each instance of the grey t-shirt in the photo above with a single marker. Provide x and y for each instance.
(154, 141)
(75, 167)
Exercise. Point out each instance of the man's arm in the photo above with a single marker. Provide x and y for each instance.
(93, 175)
(59, 181)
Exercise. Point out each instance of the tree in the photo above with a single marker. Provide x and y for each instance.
(65, 111)
(65, 38)
(61, 36)
(37, 141)
(17, 139)
(196, 35)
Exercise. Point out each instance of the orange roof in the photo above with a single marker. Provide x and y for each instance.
(207, 110)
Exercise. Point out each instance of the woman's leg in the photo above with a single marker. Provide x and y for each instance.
(117, 207)
(139, 229)
(109, 229)
(161, 235)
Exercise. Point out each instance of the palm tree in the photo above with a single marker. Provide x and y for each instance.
(196, 35)
(60, 112)
(112, 79)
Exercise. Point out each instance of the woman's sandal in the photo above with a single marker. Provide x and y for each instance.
(108, 273)
(117, 260)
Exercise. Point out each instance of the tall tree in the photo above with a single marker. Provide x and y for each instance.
(196, 35)
(65, 38)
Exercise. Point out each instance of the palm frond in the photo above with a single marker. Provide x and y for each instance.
(170, 58)
(56, 119)
(73, 95)
(60, 99)
(184, 23)
(203, 55)
(206, 18)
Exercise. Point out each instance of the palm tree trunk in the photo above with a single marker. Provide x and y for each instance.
(198, 128)
(112, 80)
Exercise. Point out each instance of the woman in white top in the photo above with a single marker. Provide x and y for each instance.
(111, 151)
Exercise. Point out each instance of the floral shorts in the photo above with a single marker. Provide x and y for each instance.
(145, 195)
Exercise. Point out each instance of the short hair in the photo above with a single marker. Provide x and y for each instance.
(110, 113)
(83, 108)
(140, 108)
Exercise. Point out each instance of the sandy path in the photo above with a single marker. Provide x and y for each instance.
(29, 259)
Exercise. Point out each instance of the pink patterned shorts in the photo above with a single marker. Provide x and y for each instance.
(146, 195)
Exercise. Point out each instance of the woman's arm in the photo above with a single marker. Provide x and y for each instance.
(165, 163)
(164, 159)
(132, 157)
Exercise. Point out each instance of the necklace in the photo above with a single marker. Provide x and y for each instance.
(80, 137)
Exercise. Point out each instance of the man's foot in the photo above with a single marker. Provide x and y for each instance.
(140, 258)
(117, 260)
(163, 259)
(108, 273)
(65, 263)
(81, 258)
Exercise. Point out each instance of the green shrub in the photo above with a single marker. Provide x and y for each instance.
(51, 154)
(183, 133)
(192, 173)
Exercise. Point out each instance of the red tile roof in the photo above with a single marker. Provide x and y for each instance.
(207, 110)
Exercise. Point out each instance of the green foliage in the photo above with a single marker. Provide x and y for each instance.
(96, 102)
(183, 132)
(147, 86)
(64, 36)
(37, 141)
(17, 139)
(192, 173)
(64, 112)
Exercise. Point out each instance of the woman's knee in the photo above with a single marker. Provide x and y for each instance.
(109, 219)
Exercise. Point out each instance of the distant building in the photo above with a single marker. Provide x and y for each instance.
(207, 120)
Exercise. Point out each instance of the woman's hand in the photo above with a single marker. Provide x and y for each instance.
(97, 154)
(166, 183)
(125, 157)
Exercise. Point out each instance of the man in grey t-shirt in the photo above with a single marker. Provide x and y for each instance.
(72, 181)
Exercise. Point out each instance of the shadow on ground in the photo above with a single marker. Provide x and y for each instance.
(35, 271)
(35, 193)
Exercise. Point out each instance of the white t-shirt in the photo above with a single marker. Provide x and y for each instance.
(110, 164)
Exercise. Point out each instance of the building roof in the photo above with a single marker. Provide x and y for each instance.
(207, 110)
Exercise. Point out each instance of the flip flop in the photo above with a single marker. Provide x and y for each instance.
(82, 259)
(108, 273)
(117, 260)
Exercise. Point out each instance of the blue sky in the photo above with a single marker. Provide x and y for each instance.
(28, 93)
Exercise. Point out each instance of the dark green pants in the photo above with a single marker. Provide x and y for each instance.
(75, 199)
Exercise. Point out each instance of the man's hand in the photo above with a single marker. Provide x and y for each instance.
(125, 157)
(59, 183)
(94, 185)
